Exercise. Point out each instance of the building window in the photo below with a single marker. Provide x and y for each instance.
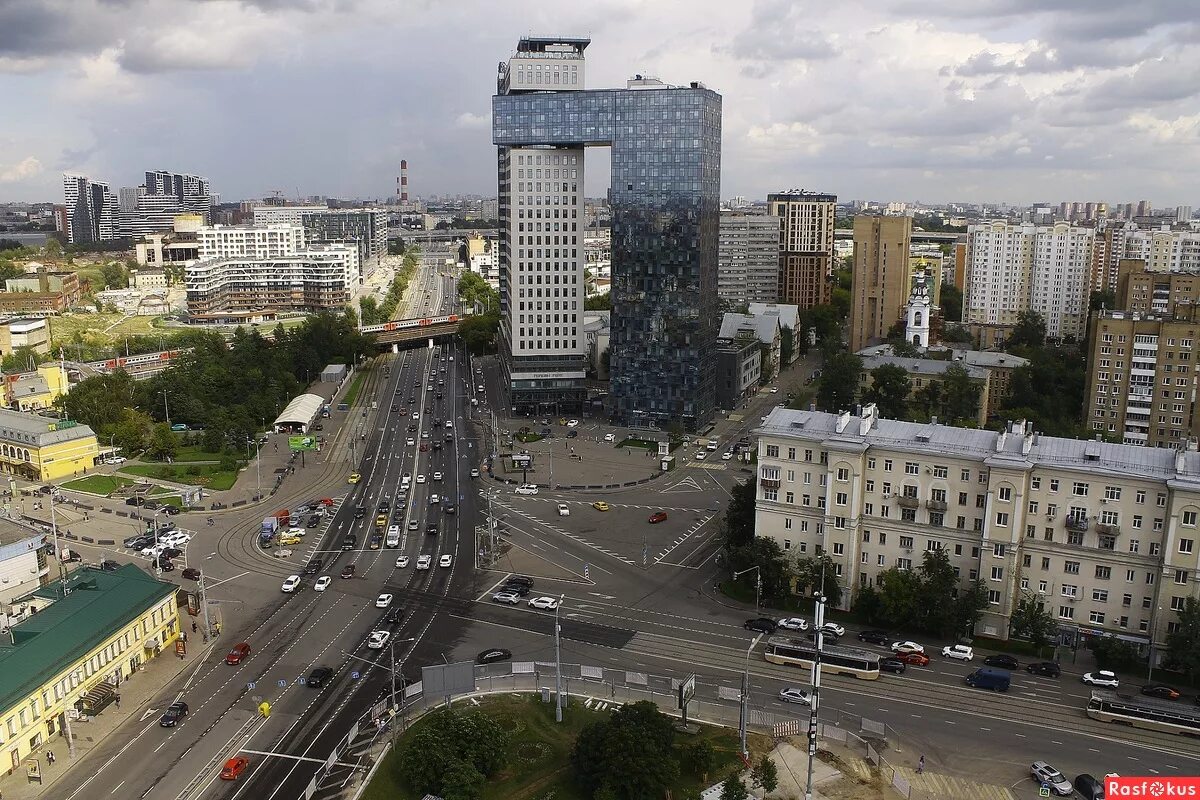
(839, 549)
(1071, 567)
(1103, 572)
(993, 597)
(843, 474)
(1002, 519)
(1181, 577)
(1189, 519)
(912, 468)
(1099, 595)
(1097, 617)
(1005, 493)
(1185, 545)
(906, 542)
(997, 573)
(1066, 612)
(772, 451)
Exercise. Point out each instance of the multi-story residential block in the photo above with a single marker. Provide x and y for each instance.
(748, 258)
(31, 332)
(805, 245)
(925, 371)
(265, 241)
(1104, 535)
(363, 228)
(1016, 267)
(789, 320)
(90, 210)
(883, 277)
(739, 370)
(664, 205)
(1165, 294)
(764, 328)
(316, 278)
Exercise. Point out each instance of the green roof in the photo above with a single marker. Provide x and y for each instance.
(98, 606)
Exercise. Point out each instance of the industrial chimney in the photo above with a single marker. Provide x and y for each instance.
(403, 181)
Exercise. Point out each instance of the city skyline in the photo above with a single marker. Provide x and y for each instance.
(1004, 101)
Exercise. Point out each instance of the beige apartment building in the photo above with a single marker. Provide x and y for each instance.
(1105, 535)
(883, 277)
(1141, 377)
(1165, 293)
(805, 245)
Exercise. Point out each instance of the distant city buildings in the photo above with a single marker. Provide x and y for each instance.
(42, 292)
(152, 207)
(748, 258)
(89, 212)
(363, 228)
(805, 245)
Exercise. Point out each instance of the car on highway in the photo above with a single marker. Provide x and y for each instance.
(349, 541)
(907, 647)
(322, 583)
(319, 677)
(437, 476)
(234, 767)
(919, 659)
(402, 562)
(656, 517)
(1160, 690)
(312, 567)
(393, 616)
(546, 603)
(1002, 661)
(833, 629)
(413, 524)
(1045, 774)
(1047, 669)
(383, 601)
(493, 655)
(727, 455)
(421, 478)
(794, 623)
(959, 652)
(564, 510)
(434, 499)
(474, 473)
(760, 624)
(191, 573)
(876, 637)
(1102, 677)
(376, 542)
(527, 488)
(378, 639)
(892, 664)
(449, 508)
(508, 598)
(238, 654)
(446, 560)
(572, 423)
(411, 442)
(793, 694)
(600, 505)
(291, 584)
(174, 714)
(423, 562)
(431, 530)
(354, 478)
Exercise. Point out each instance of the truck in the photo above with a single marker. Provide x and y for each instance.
(269, 526)
(998, 680)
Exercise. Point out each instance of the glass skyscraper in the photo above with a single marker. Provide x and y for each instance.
(664, 197)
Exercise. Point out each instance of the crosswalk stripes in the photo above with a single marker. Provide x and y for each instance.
(688, 484)
(710, 467)
(934, 784)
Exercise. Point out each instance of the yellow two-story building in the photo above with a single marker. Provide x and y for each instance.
(40, 448)
(70, 644)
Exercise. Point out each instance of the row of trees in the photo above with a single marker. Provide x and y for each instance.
(374, 312)
(925, 599)
(478, 331)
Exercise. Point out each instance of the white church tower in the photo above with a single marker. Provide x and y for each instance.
(916, 327)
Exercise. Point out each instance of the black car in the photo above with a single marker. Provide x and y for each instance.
(349, 542)
(493, 655)
(395, 408)
(393, 616)
(151, 505)
(109, 566)
(1160, 690)
(448, 508)
(174, 714)
(523, 580)
(319, 677)
(449, 437)
(431, 530)
(170, 510)
(165, 564)
(133, 501)
(191, 573)
(892, 665)
(1046, 668)
(876, 637)
(312, 567)
(412, 428)
(313, 521)
(571, 434)
(519, 589)
(171, 552)
(384, 506)
(437, 445)
(760, 624)
(1002, 661)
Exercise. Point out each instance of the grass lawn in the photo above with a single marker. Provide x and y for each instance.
(210, 476)
(192, 452)
(355, 387)
(103, 485)
(539, 753)
(647, 445)
(526, 438)
(92, 328)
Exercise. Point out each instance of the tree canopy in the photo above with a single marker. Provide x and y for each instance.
(630, 754)
(889, 390)
(452, 753)
(838, 385)
(1183, 644)
(925, 599)
(1030, 620)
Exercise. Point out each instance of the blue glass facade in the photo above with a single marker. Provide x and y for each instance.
(665, 200)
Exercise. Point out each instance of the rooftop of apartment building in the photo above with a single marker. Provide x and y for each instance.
(988, 359)
(921, 366)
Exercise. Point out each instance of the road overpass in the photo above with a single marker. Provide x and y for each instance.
(400, 331)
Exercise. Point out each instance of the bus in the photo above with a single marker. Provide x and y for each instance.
(1144, 712)
(841, 660)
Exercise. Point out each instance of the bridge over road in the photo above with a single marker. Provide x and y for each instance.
(399, 331)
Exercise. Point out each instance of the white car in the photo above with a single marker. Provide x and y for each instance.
(411, 442)
(959, 652)
(774, 390)
(563, 510)
(378, 639)
(701, 455)
(115, 460)
(794, 695)
(434, 499)
(728, 454)
(421, 478)
(474, 473)
(449, 425)
(1047, 775)
(413, 524)
(446, 560)
(907, 647)
(383, 601)
(322, 583)
(154, 549)
(1102, 678)
(393, 530)
(423, 562)
(402, 562)
(610, 437)
(527, 488)
(834, 628)
(437, 476)
(415, 415)
(572, 423)
(291, 584)
(794, 624)
(548, 603)
(506, 597)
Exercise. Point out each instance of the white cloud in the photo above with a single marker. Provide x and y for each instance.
(23, 169)
(468, 120)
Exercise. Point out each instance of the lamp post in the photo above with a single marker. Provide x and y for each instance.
(557, 662)
(157, 554)
(757, 584)
(166, 410)
(745, 709)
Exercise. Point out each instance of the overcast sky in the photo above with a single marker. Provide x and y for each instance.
(930, 100)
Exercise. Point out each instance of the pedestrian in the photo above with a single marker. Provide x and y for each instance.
(184, 635)
(921, 765)
(50, 757)
(193, 626)
(117, 702)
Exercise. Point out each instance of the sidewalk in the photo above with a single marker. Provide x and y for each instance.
(141, 700)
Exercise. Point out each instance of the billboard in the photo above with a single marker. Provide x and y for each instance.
(307, 443)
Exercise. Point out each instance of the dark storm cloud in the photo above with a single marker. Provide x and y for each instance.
(34, 29)
(779, 31)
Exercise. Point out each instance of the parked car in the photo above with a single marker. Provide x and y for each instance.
(1160, 690)
(520, 590)
(1046, 774)
(793, 694)
(1002, 661)
(507, 598)
(523, 580)
(892, 664)
(191, 573)
(919, 659)
(959, 652)
(1048, 669)
(544, 603)
(875, 637)
(760, 624)
(793, 624)
(1103, 677)
(834, 628)
(907, 647)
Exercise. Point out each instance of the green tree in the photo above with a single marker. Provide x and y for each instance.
(969, 606)
(900, 601)
(939, 586)
(839, 382)
(960, 396)
(1030, 331)
(889, 390)
(734, 789)
(927, 401)
(951, 299)
(740, 514)
(163, 443)
(1102, 299)
(462, 781)
(630, 753)
(1183, 644)
(600, 302)
(808, 573)
(1115, 654)
(787, 345)
(765, 775)
(114, 274)
(21, 359)
(478, 332)
(1030, 620)
(132, 432)
(868, 605)
(773, 568)
(1049, 391)
(699, 757)
(448, 748)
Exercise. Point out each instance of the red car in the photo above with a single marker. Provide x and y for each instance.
(234, 767)
(658, 516)
(238, 654)
(920, 659)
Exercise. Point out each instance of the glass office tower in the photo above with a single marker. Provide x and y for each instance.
(664, 197)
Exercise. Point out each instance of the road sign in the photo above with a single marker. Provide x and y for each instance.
(1044, 791)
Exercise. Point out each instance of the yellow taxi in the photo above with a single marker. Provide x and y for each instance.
(354, 478)
(289, 540)
(600, 505)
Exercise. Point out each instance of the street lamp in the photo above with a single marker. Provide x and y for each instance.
(757, 584)
(745, 710)
(557, 662)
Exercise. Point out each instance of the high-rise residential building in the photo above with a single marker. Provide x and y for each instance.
(1016, 267)
(129, 197)
(90, 210)
(191, 191)
(664, 201)
(883, 277)
(805, 245)
(152, 207)
(748, 258)
(1168, 294)
(363, 228)
(317, 278)
(1103, 535)
(1183, 213)
(250, 241)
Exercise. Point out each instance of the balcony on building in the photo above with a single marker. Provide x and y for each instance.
(1105, 529)
(768, 478)
(909, 502)
(1077, 523)
(936, 505)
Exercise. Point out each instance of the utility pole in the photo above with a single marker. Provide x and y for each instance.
(558, 705)
(743, 717)
(819, 622)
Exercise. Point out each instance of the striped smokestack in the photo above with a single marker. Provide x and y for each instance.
(403, 181)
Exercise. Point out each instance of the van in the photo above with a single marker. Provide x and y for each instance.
(997, 680)
(1089, 787)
